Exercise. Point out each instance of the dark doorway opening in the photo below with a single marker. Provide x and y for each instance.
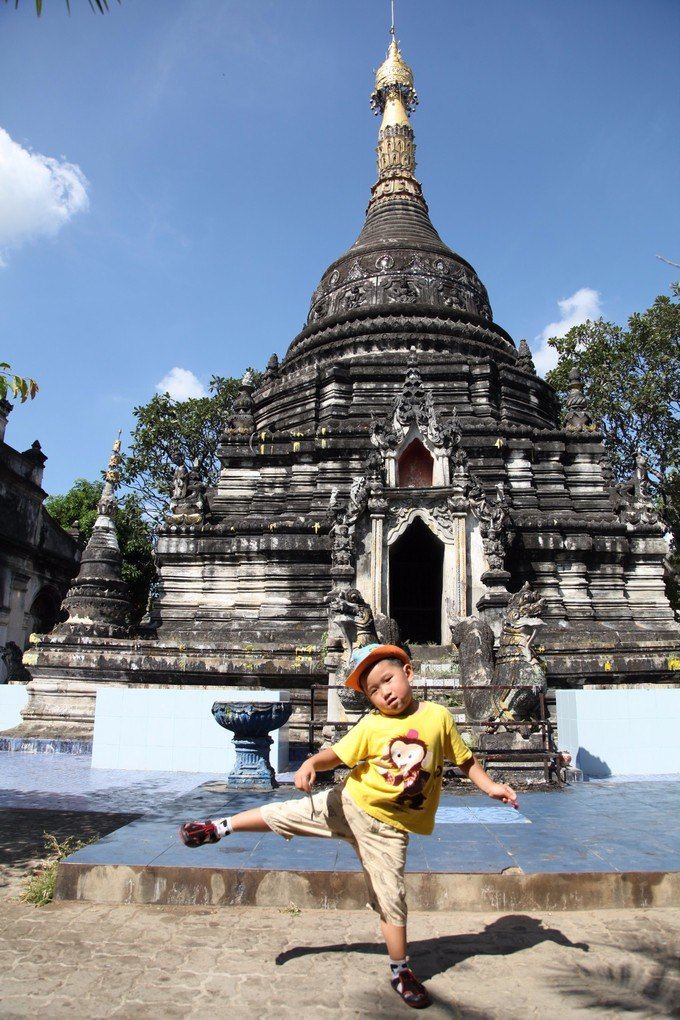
(416, 578)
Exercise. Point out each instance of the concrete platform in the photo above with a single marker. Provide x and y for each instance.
(596, 845)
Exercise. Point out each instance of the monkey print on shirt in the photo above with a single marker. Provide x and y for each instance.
(409, 756)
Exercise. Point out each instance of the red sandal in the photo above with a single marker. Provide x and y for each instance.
(411, 990)
(197, 833)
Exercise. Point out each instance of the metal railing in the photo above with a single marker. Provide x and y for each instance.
(547, 755)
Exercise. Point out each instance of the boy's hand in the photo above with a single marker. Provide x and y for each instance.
(503, 792)
(305, 777)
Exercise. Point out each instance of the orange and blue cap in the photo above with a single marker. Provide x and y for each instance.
(363, 658)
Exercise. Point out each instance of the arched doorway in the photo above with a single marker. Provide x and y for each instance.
(416, 577)
(44, 611)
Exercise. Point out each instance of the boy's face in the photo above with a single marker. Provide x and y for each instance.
(387, 685)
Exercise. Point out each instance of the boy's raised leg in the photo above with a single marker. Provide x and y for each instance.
(195, 834)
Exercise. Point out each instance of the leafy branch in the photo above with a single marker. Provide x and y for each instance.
(96, 6)
(24, 389)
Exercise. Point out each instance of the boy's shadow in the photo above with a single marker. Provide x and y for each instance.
(509, 934)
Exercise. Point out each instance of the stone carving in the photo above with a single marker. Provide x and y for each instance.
(187, 505)
(414, 406)
(271, 372)
(524, 359)
(576, 416)
(494, 518)
(353, 617)
(355, 272)
(514, 665)
(402, 291)
(636, 504)
(358, 499)
(242, 420)
(341, 547)
(354, 297)
(12, 656)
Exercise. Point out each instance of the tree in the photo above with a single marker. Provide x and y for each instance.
(24, 389)
(631, 380)
(168, 430)
(78, 508)
(95, 5)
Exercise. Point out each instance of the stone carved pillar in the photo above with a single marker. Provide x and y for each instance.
(548, 587)
(480, 388)
(377, 563)
(572, 574)
(644, 575)
(549, 475)
(520, 474)
(606, 578)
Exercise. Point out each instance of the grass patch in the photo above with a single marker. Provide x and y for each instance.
(40, 885)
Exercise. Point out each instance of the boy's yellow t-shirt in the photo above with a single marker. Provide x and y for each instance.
(397, 764)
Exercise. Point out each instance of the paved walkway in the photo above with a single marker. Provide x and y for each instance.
(96, 961)
(93, 960)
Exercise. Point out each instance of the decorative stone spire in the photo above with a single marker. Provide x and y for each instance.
(395, 97)
(577, 417)
(524, 359)
(98, 602)
(242, 419)
(271, 372)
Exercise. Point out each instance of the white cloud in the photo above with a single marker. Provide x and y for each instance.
(38, 194)
(181, 384)
(584, 304)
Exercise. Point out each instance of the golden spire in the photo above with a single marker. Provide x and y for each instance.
(395, 97)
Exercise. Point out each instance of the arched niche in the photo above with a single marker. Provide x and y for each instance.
(45, 609)
(440, 474)
(415, 466)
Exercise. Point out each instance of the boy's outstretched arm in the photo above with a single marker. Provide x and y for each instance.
(499, 791)
(322, 761)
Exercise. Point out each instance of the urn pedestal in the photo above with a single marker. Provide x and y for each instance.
(251, 723)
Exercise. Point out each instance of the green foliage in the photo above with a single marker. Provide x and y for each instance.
(40, 885)
(167, 429)
(631, 380)
(95, 5)
(78, 508)
(24, 389)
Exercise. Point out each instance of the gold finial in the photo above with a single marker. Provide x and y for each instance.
(394, 81)
(395, 97)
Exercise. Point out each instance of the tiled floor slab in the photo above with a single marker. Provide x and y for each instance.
(566, 831)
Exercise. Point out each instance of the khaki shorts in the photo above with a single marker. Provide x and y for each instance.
(380, 848)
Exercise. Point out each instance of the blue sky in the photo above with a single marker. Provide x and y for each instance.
(175, 177)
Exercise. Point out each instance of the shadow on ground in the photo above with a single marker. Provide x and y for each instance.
(509, 934)
(22, 840)
(646, 980)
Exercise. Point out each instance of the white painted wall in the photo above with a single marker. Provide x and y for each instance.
(614, 732)
(173, 730)
(13, 697)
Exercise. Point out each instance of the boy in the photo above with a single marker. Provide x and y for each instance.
(396, 754)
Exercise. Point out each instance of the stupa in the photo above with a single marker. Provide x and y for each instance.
(406, 448)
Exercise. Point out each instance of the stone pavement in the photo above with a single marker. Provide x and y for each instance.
(85, 960)
(96, 960)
